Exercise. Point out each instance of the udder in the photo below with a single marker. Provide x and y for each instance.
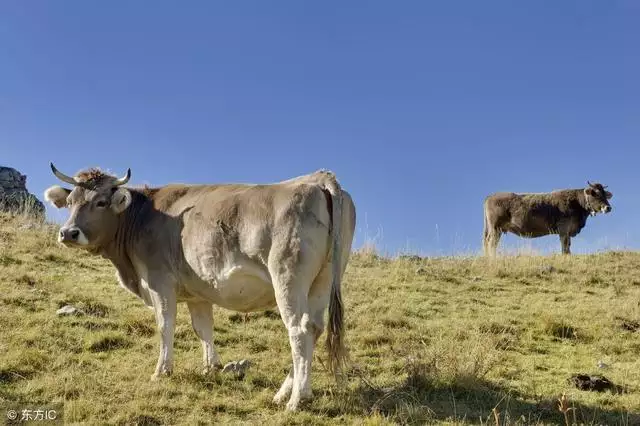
(242, 290)
(242, 286)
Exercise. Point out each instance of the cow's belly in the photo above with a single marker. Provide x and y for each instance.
(532, 227)
(242, 286)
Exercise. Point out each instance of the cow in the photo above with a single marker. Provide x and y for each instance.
(243, 247)
(533, 215)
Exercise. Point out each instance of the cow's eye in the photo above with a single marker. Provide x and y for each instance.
(101, 203)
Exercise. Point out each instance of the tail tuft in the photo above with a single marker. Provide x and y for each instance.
(335, 332)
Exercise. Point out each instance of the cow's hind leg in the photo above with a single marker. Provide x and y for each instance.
(294, 310)
(485, 242)
(293, 270)
(285, 389)
(202, 322)
(317, 301)
(491, 241)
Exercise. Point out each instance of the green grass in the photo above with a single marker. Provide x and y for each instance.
(432, 341)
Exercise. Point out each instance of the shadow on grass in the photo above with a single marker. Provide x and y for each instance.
(426, 395)
(418, 401)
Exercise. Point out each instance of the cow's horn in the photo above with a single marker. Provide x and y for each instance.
(123, 179)
(62, 176)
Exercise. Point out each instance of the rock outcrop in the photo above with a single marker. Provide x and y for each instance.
(14, 196)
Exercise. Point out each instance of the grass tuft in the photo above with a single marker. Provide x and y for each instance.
(107, 341)
(561, 330)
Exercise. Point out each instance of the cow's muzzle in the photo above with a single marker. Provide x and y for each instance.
(606, 209)
(72, 235)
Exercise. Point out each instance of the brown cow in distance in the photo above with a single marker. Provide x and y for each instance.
(530, 215)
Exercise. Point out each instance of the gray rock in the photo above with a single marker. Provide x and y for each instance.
(239, 368)
(14, 195)
(68, 310)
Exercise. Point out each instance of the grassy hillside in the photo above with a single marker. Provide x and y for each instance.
(444, 341)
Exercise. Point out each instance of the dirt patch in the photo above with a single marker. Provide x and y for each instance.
(13, 375)
(628, 325)
(594, 383)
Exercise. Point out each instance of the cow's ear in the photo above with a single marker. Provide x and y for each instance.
(589, 192)
(120, 200)
(608, 194)
(57, 196)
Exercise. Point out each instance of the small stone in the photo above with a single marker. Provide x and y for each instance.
(239, 368)
(229, 367)
(547, 269)
(68, 310)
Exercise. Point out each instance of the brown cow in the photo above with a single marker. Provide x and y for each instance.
(529, 215)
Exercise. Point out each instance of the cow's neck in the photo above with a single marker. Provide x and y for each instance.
(582, 200)
(120, 250)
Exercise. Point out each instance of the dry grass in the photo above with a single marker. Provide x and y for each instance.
(440, 340)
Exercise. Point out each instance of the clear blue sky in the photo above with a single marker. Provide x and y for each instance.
(421, 108)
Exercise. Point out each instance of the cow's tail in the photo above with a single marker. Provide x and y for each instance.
(335, 333)
(485, 229)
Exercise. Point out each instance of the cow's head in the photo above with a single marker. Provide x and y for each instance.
(597, 198)
(95, 202)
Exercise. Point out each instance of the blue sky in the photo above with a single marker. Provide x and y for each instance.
(421, 108)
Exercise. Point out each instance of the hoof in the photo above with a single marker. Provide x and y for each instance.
(210, 369)
(160, 375)
(298, 403)
(292, 406)
(279, 398)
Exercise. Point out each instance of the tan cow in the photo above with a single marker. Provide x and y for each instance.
(239, 246)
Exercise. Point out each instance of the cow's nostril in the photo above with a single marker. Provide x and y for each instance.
(61, 234)
(74, 234)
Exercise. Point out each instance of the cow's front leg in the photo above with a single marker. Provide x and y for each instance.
(165, 307)
(202, 322)
(565, 241)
